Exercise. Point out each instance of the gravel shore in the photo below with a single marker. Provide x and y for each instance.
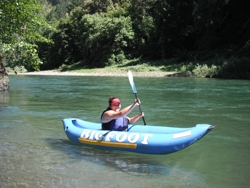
(118, 74)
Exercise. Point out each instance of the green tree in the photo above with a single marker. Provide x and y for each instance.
(20, 29)
(66, 48)
(103, 32)
(173, 27)
(222, 25)
(19, 19)
(143, 22)
(105, 40)
(95, 40)
(20, 24)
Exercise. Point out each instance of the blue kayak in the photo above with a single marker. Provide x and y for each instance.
(137, 138)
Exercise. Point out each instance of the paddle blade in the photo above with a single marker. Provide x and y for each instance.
(131, 81)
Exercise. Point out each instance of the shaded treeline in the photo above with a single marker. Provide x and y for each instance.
(99, 33)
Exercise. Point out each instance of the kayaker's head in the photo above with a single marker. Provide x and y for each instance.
(114, 103)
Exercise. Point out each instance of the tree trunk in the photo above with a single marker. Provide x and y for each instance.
(4, 79)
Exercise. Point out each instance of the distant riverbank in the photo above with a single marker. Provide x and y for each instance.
(102, 73)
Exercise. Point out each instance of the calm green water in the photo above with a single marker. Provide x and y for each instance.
(35, 152)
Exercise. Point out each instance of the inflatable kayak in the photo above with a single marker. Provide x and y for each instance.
(137, 138)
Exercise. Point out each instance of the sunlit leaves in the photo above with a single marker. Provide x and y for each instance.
(20, 24)
(23, 54)
(18, 19)
(104, 37)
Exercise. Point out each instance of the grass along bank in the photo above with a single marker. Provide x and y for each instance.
(148, 68)
(222, 68)
(140, 70)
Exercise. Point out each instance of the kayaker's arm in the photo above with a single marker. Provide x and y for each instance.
(135, 118)
(109, 115)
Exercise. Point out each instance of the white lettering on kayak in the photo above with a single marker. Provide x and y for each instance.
(116, 136)
(92, 135)
(135, 139)
(109, 135)
(145, 141)
(121, 137)
(85, 133)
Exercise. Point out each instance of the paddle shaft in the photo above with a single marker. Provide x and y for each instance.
(131, 81)
(140, 109)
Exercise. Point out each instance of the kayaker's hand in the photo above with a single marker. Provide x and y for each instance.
(137, 102)
(141, 114)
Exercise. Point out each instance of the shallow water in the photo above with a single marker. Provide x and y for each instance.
(35, 152)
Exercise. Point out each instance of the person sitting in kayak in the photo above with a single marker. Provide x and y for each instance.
(115, 119)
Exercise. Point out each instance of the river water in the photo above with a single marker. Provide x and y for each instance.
(35, 152)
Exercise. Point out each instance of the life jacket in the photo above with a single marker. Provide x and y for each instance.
(118, 124)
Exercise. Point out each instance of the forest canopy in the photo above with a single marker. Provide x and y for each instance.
(190, 34)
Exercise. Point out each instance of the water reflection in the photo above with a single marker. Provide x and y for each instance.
(4, 98)
(132, 164)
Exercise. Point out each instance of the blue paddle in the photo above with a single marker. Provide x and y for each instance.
(131, 81)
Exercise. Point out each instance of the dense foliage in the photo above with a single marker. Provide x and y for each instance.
(20, 25)
(201, 37)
